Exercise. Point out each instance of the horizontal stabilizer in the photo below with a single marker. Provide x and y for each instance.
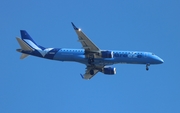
(24, 46)
(23, 56)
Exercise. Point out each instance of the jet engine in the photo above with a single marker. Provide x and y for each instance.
(107, 54)
(109, 70)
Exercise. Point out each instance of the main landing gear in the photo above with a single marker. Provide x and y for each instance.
(92, 72)
(147, 66)
(91, 59)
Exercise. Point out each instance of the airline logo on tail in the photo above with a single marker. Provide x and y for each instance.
(28, 44)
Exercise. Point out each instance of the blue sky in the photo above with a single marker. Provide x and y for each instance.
(35, 85)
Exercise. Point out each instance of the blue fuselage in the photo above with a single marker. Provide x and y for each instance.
(78, 55)
(95, 59)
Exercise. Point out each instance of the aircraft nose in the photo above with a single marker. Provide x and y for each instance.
(159, 60)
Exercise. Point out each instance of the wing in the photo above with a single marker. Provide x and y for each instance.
(90, 72)
(87, 44)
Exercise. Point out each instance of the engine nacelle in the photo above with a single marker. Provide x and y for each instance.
(109, 70)
(107, 54)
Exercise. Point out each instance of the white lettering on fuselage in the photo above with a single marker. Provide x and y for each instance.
(128, 55)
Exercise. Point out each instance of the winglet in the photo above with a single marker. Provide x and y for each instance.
(75, 28)
(82, 76)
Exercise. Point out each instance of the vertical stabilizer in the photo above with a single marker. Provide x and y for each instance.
(29, 41)
(26, 36)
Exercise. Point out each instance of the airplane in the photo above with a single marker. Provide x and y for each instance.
(95, 59)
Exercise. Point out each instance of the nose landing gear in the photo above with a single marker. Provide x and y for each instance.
(147, 66)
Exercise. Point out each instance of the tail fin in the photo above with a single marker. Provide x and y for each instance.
(27, 39)
(26, 36)
(26, 43)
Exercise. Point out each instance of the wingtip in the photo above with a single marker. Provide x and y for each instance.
(75, 28)
(82, 76)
